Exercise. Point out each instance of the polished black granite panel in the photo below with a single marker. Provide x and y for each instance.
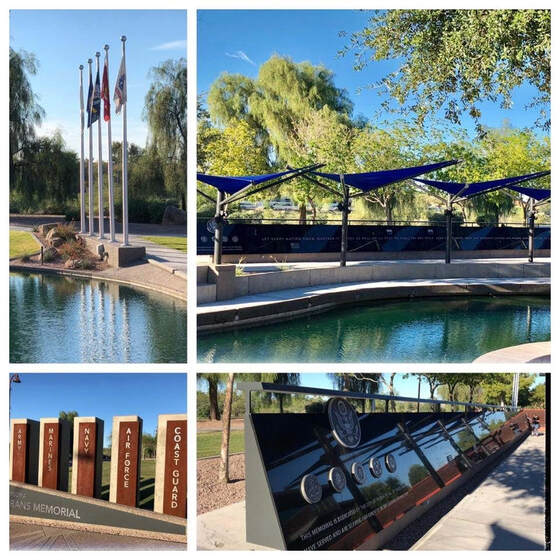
(349, 494)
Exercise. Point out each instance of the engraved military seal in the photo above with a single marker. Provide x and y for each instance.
(375, 467)
(390, 462)
(344, 423)
(358, 473)
(311, 489)
(337, 478)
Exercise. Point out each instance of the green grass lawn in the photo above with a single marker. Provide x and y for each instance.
(178, 243)
(22, 243)
(208, 443)
(147, 482)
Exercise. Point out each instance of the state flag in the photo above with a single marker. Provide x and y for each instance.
(105, 91)
(119, 96)
(95, 106)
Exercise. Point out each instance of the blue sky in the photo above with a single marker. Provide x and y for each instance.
(44, 395)
(64, 39)
(240, 41)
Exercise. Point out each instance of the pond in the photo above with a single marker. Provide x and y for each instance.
(423, 330)
(71, 320)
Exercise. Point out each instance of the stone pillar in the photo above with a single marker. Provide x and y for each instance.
(24, 450)
(126, 453)
(170, 495)
(87, 456)
(54, 448)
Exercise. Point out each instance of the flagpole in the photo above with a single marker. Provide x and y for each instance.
(90, 167)
(82, 185)
(124, 161)
(99, 162)
(110, 162)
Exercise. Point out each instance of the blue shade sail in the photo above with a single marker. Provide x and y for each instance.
(377, 179)
(473, 189)
(537, 194)
(231, 185)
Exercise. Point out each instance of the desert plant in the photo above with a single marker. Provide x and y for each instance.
(72, 250)
(50, 254)
(66, 231)
(85, 264)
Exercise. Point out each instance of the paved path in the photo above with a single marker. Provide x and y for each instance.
(533, 352)
(39, 537)
(307, 291)
(271, 267)
(172, 260)
(506, 512)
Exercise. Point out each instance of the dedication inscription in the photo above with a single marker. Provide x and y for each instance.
(175, 483)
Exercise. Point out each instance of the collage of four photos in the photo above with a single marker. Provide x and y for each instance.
(365, 192)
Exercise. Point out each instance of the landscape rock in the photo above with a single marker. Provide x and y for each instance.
(174, 216)
(43, 229)
(56, 241)
(70, 263)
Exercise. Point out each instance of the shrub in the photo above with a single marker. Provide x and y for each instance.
(485, 219)
(66, 231)
(85, 264)
(144, 211)
(440, 217)
(49, 254)
(71, 250)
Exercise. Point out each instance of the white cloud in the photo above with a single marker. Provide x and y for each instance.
(242, 56)
(171, 46)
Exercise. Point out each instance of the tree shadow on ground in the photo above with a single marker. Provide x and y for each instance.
(146, 493)
(504, 539)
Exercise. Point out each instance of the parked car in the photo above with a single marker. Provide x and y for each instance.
(248, 205)
(285, 204)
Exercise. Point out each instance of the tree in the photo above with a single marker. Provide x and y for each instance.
(226, 430)
(149, 445)
(25, 111)
(453, 60)
(69, 416)
(166, 112)
(498, 388)
(417, 473)
(214, 380)
(283, 93)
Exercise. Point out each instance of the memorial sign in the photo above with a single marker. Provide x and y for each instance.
(125, 460)
(336, 479)
(171, 465)
(54, 440)
(24, 450)
(87, 457)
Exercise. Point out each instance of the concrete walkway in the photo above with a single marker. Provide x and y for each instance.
(306, 292)
(506, 512)
(38, 537)
(169, 259)
(531, 353)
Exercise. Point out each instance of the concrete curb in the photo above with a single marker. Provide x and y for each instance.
(228, 317)
(92, 276)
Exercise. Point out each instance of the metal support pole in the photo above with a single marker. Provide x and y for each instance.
(82, 182)
(344, 227)
(124, 158)
(100, 208)
(453, 443)
(90, 166)
(110, 166)
(515, 390)
(448, 231)
(416, 448)
(532, 230)
(218, 232)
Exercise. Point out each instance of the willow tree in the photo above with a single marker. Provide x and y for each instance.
(166, 113)
(283, 93)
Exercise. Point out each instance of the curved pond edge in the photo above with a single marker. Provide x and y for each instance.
(101, 278)
(530, 353)
(245, 315)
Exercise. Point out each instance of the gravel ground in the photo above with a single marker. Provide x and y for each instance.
(213, 494)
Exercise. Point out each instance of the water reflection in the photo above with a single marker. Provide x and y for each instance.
(63, 319)
(429, 451)
(425, 330)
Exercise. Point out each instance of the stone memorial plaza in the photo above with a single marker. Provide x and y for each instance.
(39, 469)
